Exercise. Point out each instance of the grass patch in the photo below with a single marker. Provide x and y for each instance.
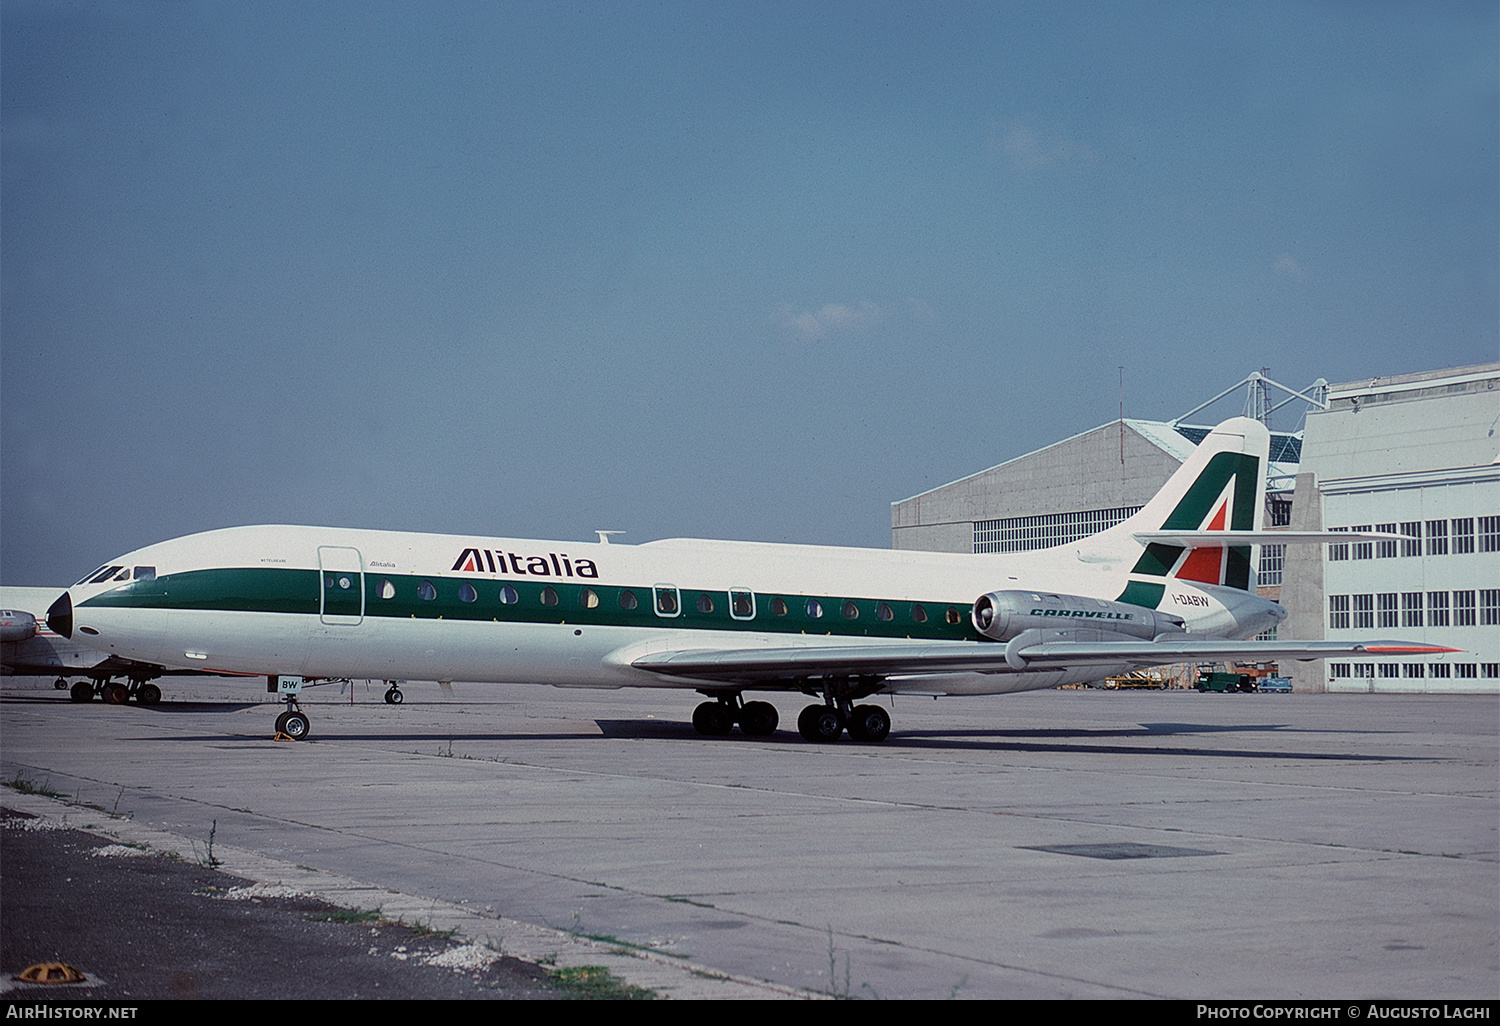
(28, 785)
(596, 983)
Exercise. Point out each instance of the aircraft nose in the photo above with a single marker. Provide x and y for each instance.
(60, 615)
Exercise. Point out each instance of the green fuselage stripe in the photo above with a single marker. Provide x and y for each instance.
(279, 590)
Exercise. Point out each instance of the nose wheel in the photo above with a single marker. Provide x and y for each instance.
(292, 724)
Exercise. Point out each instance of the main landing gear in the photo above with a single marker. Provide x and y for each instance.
(868, 723)
(718, 716)
(838, 713)
(113, 692)
(822, 722)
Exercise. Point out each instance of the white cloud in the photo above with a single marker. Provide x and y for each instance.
(1029, 151)
(1286, 267)
(832, 318)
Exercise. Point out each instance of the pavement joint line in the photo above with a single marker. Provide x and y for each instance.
(667, 977)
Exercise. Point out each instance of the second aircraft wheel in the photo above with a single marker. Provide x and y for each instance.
(869, 723)
(116, 694)
(759, 719)
(149, 694)
(713, 719)
(394, 696)
(820, 723)
(83, 691)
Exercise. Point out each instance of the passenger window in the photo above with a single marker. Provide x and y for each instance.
(549, 596)
(628, 599)
(918, 614)
(466, 592)
(953, 614)
(705, 602)
(666, 600)
(426, 592)
(851, 611)
(387, 589)
(742, 604)
(588, 598)
(778, 606)
(814, 608)
(509, 596)
(883, 612)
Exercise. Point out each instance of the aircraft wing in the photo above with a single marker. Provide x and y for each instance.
(765, 665)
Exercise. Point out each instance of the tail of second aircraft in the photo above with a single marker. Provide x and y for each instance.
(1221, 487)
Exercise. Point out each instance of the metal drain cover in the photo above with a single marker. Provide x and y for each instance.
(1121, 851)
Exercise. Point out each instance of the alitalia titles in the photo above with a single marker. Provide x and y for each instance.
(553, 564)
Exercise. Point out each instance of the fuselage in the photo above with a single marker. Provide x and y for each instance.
(326, 602)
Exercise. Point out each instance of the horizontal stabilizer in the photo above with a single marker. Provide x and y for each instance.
(1219, 539)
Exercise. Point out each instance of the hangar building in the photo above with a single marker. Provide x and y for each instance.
(1419, 451)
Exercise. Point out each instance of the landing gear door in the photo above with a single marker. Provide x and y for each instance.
(343, 586)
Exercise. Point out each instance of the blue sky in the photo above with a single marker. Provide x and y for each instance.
(727, 270)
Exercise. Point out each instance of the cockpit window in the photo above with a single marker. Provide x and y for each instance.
(145, 573)
(88, 576)
(105, 574)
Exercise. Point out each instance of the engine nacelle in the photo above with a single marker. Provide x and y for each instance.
(16, 625)
(1004, 614)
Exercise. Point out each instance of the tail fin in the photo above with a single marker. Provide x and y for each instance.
(1221, 487)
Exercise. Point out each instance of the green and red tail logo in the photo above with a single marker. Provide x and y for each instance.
(1223, 497)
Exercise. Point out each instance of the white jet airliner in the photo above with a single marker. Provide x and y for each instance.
(1173, 583)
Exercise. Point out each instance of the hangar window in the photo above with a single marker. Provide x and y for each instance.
(778, 606)
(851, 611)
(814, 608)
(509, 596)
(918, 614)
(1385, 549)
(549, 596)
(1412, 546)
(1463, 535)
(426, 592)
(1385, 606)
(705, 602)
(466, 592)
(628, 599)
(387, 589)
(1338, 612)
(1362, 550)
(588, 598)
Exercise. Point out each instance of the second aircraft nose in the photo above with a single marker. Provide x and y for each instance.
(60, 615)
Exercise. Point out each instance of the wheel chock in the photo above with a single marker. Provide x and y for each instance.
(50, 972)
